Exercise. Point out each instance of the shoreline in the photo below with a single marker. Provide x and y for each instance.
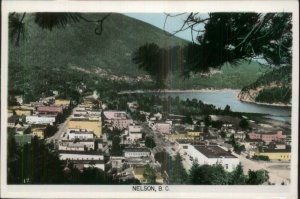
(180, 91)
(236, 92)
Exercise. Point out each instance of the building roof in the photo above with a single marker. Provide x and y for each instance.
(81, 152)
(214, 152)
(136, 150)
(81, 132)
(85, 119)
(112, 115)
(57, 109)
(85, 161)
(276, 151)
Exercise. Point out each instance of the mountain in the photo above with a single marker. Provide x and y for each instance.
(65, 58)
(232, 77)
(76, 54)
(274, 87)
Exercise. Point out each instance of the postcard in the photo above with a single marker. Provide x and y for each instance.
(149, 99)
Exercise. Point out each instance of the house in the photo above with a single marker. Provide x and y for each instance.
(89, 124)
(136, 152)
(82, 145)
(267, 137)
(276, 154)
(23, 111)
(49, 110)
(194, 133)
(62, 102)
(134, 132)
(117, 119)
(81, 134)
(40, 119)
(38, 131)
(117, 162)
(211, 155)
(158, 116)
(163, 128)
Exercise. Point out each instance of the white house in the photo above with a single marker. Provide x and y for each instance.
(37, 119)
(81, 134)
(134, 132)
(136, 152)
(211, 155)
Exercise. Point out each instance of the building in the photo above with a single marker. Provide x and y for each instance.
(194, 133)
(39, 119)
(116, 162)
(62, 102)
(136, 152)
(134, 132)
(117, 119)
(276, 154)
(82, 145)
(211, 155)
(81, 134)
(49, 110)
(163, 128)
(89, 124)
(267, 137)
(80, 155)
(23, 111)
(38, 131)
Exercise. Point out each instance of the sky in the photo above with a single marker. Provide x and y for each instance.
(158, 19)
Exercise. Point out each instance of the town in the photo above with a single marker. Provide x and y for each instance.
(139, 141)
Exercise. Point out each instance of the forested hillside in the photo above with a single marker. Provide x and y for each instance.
(272, 87)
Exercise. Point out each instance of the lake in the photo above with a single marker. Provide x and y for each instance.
(229, 97)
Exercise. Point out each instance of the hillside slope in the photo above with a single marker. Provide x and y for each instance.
(272, 87)
(64, 58)
(61, 58)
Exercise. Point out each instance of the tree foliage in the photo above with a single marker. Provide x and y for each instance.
(149, 142)
(216, 175)
(149, 174)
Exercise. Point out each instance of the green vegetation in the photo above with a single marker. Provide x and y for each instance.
(173, 167)
(50, 130)
(275, 95)
(116, 149)
(149, 174)
(229, 76)
(244, 124)
(238, 148)
(281, 92)
(38, 163)
(216, 175)
(149, 142)
(261, 157)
